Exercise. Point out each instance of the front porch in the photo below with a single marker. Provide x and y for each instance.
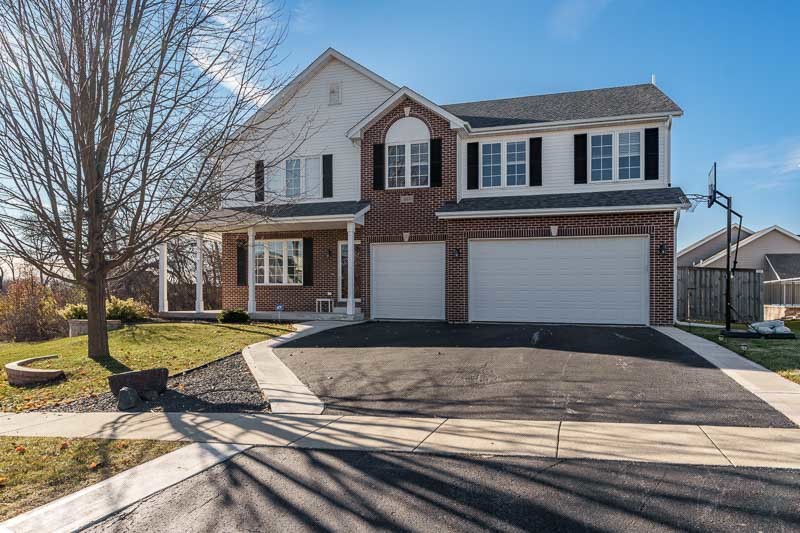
(286, 262)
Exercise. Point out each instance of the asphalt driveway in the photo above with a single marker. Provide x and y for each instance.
(535, 372)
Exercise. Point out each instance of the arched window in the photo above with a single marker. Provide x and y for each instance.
(408, 154)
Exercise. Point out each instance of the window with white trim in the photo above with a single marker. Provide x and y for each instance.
(409, 160)
(602, 158)
(515, 163)
(279, 262)
(293, 181)
(630, 155)
(419, 165)
(491, 165)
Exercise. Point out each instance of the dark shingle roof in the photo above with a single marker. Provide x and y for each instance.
(623, 198)
(578, 105)
(786, 265)
(304, 210)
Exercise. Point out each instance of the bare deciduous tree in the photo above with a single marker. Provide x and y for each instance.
(111, 116)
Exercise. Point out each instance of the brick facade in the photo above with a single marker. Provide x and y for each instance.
(390, 220)
(293, 297)
(657, 225)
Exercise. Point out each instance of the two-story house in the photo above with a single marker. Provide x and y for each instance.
(549, 208)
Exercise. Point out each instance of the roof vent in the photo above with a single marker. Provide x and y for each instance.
(653, 79)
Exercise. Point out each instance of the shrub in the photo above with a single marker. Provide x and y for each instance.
(28, 312)
(75, 312)
(233, 316)
(126, 310)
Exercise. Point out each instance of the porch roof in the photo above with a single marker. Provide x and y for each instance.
(308, 215)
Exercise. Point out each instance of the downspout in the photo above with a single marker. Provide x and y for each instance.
(675, 268)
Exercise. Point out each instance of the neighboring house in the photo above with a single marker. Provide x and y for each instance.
(753, 249)
(551, 208)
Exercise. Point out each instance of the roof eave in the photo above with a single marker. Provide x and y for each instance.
(509, 213)
(562, 124)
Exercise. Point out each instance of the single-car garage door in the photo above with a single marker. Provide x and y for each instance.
(408, 281)
(601, 280)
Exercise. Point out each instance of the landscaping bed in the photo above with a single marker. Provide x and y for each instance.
(780, 356)
(223, 386)
(37, 470)
(176, 346)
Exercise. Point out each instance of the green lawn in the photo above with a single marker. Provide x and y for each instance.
(781, 356)
(35, 470)
(176, 346)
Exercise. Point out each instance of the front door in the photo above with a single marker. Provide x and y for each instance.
(343, 288)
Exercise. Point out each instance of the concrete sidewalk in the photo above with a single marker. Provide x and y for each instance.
(661, 443)
(285, 392)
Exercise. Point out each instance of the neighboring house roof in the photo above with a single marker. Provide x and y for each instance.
(389, 103)
(300, 210)
(785, 266)
(747, 231)
(644, 199)
(754, 237)
(631, 100)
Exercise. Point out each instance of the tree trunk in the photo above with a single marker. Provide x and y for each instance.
(96, 313)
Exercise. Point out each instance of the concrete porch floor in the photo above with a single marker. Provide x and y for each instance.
(293, 316)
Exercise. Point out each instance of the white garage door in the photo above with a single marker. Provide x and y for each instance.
(601, 280)
(408, 281)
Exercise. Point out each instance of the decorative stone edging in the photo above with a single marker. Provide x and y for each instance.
(80, 326)
(19, 374)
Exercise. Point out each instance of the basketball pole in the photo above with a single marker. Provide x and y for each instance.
(728, 205)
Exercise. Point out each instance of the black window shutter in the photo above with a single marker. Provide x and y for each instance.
(377, 167)
(436, 163)
(327, 176)
(651, 154)
(472, 165)
(241, 263)
(308, 262)
(535, 158)
(580, 158)
(259, 181)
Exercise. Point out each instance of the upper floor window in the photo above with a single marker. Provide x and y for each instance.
(293, 180)
(491, 165)
(630, 155)
(279, 262)
(396, 166)
(515, 163)
(602, 157)
(504, 164)
(335, 93)
(407, 154)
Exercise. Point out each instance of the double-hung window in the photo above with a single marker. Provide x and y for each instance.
(279, 262)
(515, 163)
(504, 164)
(602, 157)
(491, 165)
(407, 165)
(630, 161)
(293, 182)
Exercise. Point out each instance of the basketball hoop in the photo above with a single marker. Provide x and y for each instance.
(712, 185)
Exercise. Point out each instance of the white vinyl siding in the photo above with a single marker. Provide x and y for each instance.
(326, 134)
(558, 155)
(407, 281)
(600, 280)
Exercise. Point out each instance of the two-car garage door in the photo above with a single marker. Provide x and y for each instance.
(598, 280)
(601, 280)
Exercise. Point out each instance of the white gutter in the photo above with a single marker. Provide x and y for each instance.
(502, 213)
(563, 124)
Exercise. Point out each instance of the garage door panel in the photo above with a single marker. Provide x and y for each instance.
(408, 281)
(592, 280)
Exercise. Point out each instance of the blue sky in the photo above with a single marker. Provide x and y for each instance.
(733, 67)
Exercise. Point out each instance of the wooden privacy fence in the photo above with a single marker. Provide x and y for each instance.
(701, 294)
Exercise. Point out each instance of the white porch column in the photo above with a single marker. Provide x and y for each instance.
(351, 272)
(163, 304)
(251, 270)
(198, 275)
